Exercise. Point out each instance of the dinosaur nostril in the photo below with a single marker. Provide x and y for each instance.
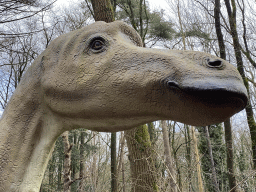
(214, 63)
(172, 84)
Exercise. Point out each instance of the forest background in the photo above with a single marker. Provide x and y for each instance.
(158, 156)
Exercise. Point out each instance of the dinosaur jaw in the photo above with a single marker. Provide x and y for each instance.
(208, 103)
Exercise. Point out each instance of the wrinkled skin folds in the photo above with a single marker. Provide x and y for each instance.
(101, 78)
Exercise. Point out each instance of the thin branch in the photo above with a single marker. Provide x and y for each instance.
(25, 17)
(244, 180)
(207, 10)
(89, 7)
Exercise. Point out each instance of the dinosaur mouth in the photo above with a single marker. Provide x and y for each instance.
(213, 95)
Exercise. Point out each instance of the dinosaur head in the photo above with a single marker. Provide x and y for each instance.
(101, 73)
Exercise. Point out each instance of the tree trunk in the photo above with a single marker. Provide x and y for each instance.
(123, 177)
(74, 161)
(198, 166)
(67, 162)
(103, 10)
(227, 124)
(168, 158)
(121, 167)
(94, 170)
(113, 163)
(121, 154)
(181, 26)
(82, 150)
(218, 29)
(141, 157)
(240, 67)
(152, 133)
(230, 158)
(214, 175)
(188, 154)
(176, 158)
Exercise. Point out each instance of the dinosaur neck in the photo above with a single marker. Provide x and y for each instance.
(25, 142)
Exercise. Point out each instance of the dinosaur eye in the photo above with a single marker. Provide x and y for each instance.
(97, 44)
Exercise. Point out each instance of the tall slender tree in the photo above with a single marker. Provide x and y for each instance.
(198, 166)
(231, 10)
(227, 124)
(213, 149)
(67, 162)
(82, 156)
(169, 163)
(214, 174)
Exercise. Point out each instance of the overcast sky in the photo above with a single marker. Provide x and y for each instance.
(153, 3)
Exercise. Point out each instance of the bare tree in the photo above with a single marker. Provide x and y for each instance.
(214, 175)
(67, 162)
(198, 166)
(13, 11)
(169, 163)
(232, 11)
(227, 123)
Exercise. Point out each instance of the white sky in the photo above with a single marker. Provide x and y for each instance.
(154, 4)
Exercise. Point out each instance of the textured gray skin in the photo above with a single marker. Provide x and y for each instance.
(123, 85)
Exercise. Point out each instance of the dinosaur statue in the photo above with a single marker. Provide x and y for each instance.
(101, 78)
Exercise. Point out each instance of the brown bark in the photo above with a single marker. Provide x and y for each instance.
(198, 166)
(121, 154)
(230, 158)
(141, 157)
(94, 170)
(121, 167)
(214, 175)
(123, 177)
(103, 10)
(179, 180)
(168, 158)
(113, 163)
(67, 162)
(82, 150)
(218, 29)
(188, 155)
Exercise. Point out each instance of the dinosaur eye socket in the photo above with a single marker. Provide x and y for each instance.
(97, 44)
